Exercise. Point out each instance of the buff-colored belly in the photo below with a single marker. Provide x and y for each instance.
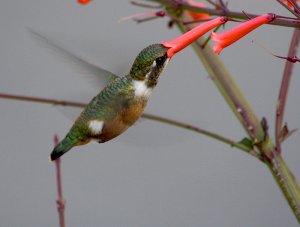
(121, 122)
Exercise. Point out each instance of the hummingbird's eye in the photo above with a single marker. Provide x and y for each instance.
(160, 60)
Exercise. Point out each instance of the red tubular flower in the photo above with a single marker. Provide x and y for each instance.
(227, 38)
(187, 38)
(195, 15)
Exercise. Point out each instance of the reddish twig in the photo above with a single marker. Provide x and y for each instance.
(60, 201)
(286, 78)
(42, 100)
(288, 8)
(292, 59)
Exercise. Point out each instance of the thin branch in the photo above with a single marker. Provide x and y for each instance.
(286, 78)
(295, 5)
(204, 132)
(42, 100)
(288, 8)
(213, 3)
(240, 15)
(135, 3)
(60, 200)
(232, 14)
(212, 135)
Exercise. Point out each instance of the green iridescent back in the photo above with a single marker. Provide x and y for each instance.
(110, 100)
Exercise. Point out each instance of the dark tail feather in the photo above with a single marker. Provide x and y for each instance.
(65, 145)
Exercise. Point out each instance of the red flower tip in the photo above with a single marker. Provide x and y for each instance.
(227, 38)
(187, 38)
(84, 2)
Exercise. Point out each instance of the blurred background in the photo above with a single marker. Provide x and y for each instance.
(153, 174)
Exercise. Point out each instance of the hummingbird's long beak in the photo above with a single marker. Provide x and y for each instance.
(187, 38)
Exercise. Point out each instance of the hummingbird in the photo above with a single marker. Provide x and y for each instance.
(123, 100)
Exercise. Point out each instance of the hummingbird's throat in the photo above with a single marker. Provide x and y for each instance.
(143, 88)
(151, 78)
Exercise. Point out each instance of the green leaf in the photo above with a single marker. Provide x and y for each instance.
(247, 142)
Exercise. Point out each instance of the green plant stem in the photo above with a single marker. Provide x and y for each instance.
(287, 183)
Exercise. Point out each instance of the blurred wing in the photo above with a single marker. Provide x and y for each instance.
(79, 64)
(76, 61)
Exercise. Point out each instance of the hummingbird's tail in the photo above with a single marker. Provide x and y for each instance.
(65, 145)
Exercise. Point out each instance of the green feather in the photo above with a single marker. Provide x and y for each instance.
(64, 146)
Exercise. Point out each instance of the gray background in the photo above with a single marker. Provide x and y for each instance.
(154, 174)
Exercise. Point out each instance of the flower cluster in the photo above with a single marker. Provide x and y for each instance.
(222, 40)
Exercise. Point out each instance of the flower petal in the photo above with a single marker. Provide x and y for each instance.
(227, 38)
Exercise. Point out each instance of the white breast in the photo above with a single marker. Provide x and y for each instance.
(96, 126)
(141, 89)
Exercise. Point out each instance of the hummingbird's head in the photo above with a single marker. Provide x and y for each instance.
(153, 59)
(149, 64)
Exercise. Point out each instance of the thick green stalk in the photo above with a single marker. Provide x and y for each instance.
(287, 183)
